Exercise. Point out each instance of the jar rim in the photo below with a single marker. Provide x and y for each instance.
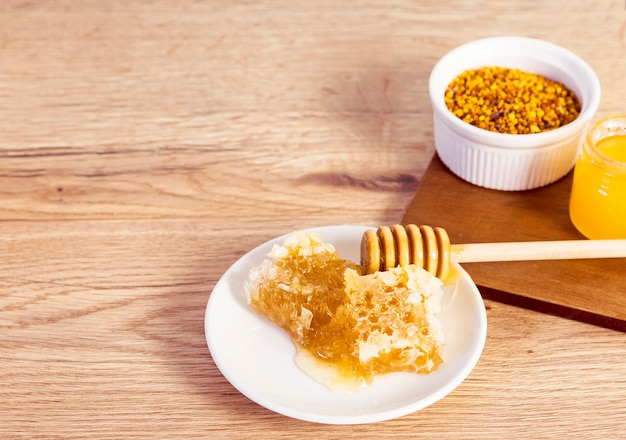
(602, 129)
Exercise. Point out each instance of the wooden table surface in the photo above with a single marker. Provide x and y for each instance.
(145, 146)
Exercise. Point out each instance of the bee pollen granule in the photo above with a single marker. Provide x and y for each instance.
(512, 101)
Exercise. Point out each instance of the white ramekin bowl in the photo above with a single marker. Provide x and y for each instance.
(512, 162)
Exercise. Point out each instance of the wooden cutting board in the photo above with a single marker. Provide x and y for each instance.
(588, 290)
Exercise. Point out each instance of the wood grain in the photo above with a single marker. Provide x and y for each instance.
(145, 146)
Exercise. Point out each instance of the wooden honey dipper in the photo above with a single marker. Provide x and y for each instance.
(430, 248)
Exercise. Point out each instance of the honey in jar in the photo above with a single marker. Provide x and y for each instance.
(598, 198)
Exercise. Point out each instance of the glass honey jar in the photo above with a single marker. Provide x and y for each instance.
(598, 198)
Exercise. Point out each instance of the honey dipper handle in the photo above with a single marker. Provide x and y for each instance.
(537, 250)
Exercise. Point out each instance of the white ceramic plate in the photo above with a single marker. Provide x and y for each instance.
(257, 357)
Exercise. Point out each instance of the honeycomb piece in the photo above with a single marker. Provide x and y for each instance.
(363, 325)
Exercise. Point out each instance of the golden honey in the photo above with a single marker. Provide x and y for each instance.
(598, 198)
